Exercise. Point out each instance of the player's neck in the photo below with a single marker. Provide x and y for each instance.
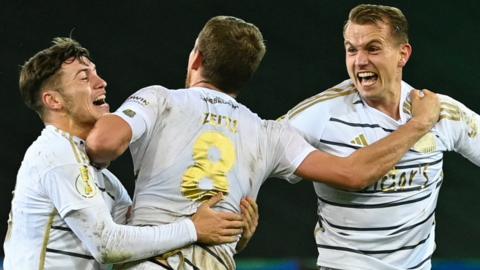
(388, 104)
(70, 126)
(206, 84)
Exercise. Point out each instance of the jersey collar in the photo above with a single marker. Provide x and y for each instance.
(78, 141)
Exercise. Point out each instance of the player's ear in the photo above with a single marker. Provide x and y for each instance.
(405, 52)
(197, 60)
(52, 100)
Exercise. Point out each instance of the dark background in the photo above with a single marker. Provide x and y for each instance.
(139, 43)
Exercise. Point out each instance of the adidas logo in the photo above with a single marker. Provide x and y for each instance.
(360, 140)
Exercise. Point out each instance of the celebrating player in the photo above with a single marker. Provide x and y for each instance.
(391, 224)
(192, 143)
(62, 209)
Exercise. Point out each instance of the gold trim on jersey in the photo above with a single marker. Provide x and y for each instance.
(473, 127)
(10, 219)
(450, 111)
(10, 226)
(46, 237)
(80, 156)
(75, 150)
(324, 96)
(454, 112)
(84, 183)
(426, 144)
(281, 118)
(407, 107)
(326, 92)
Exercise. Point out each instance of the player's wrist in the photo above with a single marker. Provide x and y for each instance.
(421, 124)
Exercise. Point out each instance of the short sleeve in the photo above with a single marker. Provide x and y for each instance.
(141, 110)
(71, 187)
(461, 127)
(289, 150)
(301, 118)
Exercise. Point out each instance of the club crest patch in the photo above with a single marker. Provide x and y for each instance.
(129, 113)
(84, 183)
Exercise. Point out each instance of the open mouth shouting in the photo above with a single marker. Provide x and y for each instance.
(100, 100)
(367, 78)
(101, 103)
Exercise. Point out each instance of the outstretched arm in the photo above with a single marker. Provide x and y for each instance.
(365, 166)
(113, 243)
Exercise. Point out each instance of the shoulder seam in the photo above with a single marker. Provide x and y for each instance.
(324, 96)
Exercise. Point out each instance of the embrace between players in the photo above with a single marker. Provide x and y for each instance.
(200, 157)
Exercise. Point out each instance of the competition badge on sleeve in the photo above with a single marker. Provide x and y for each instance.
(84, 183)
(129, 113)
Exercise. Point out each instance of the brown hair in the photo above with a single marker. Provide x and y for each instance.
(42, 69)
(232, 50)
(373, 14)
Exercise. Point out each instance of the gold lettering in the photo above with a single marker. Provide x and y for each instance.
(234, 126)
(205, 120)
(412, 175)
(425, 174)
(213, 119)
(403, 180)
(216, 120)
(384, 179)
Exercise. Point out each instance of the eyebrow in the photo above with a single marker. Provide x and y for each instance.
(348, 43)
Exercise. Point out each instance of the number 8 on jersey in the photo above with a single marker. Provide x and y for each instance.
(214, 156)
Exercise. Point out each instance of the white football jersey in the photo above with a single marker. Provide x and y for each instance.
(55, 172)
(189, 144)
(391, 224)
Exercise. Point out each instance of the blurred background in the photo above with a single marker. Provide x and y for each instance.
(140, 43)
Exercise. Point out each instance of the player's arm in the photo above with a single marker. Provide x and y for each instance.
(72, 190)
(250, 215)
(461, 127)
(365, 166)
(108, 139)
(113, 243)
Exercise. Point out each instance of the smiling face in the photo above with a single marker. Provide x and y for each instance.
(374, 60)
(83, 92)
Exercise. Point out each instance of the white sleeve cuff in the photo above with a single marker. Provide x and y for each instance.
(136, 123)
